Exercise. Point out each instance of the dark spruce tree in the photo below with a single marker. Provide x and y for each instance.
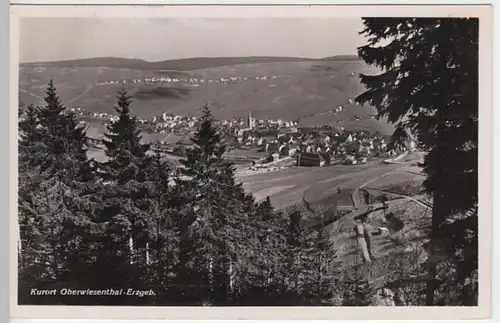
(126, 203)
(53, 216)
(263, 284)
(429, 86)
(220, 219)
(65, 141)
(294, 254)
(123, 144)
(162, 251)
(322, 282)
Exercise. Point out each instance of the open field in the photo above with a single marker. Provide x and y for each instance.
(251, 154)
(293, 90)
(404, 181)
(315, 184)
(400, 176)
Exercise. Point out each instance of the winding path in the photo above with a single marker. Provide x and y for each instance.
(89, 87)
(355, 194)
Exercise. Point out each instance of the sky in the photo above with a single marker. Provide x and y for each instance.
(53, 39)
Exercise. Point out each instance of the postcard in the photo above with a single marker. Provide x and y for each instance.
(251, 162)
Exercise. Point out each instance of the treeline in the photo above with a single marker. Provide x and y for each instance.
(191, 234)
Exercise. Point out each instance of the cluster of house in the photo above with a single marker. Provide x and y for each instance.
(241, 127)
(319, 148)
(101, 115)
(193, 81)
(170, 123)
(279, 139)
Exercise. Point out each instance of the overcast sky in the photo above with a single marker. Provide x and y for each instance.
(49, 39)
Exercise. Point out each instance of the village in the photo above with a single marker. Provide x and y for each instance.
(311, 147)
(190, 81)
(267, 144)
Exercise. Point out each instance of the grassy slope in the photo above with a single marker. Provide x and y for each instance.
(304, 90)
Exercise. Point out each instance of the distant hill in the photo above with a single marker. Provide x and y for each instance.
(309, 92)
(185, 64)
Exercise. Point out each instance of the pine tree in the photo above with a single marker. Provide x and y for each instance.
(265, 210)
(163, 249)
(295, 250)
(54, 140)
(52, 214)
(263, 283)
(127, 203)
(219, 208)
(123, 144)
(321, 265)
(429, 85)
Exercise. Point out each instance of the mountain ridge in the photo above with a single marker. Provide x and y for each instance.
(182, 64)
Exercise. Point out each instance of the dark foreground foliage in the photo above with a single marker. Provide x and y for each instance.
(429, 89)
(189, 234)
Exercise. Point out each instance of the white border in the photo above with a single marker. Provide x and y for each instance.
(485, 168)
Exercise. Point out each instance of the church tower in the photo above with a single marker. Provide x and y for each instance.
(250, 120)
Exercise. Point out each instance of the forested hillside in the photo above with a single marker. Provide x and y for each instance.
(190, 234)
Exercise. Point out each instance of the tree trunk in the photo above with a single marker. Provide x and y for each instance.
(438, 214)
(431, 285)
(131, 247)
(320, 274)
(231, 277)
(20, 253)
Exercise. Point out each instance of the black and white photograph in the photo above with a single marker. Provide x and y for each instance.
(272, 161)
